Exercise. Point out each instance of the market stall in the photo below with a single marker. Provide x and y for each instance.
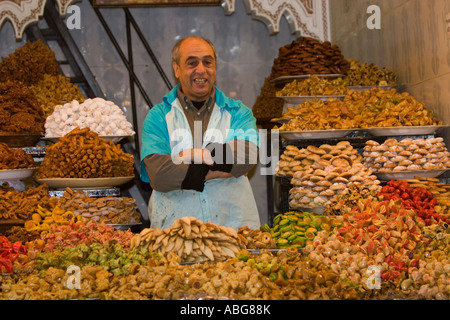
(363, 210)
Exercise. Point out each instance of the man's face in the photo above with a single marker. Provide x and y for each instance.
(197, 69)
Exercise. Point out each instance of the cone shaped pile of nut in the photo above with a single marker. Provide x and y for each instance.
(192, 240)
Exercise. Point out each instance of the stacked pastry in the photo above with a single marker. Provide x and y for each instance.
(406, 155)
(294, 159)
(316, 186)
(319, 173)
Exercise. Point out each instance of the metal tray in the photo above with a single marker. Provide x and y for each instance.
(315, 134)
(409, 174)
(317, 210)
(274, 251)
(362, 88)
(124, 227)
(301, 99)
(114, 139)
(281, 120)
(90, 183)
(16, 174)
(284, 79)
(403, 131)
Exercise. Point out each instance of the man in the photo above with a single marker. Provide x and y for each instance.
(198, 145)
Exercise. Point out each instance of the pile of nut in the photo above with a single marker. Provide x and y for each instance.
(29, 63)
(314, 86)
(192, 240)
(110, 210)
(100, 115)
(83, 154)
(309, 56)
(53, 90)
(406, 155)
(20, 111)
(294, 159)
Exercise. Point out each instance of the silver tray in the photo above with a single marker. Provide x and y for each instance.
(114, 139)
(275, 251)
(285, 79)
(124, 227)
(409, 174)
(89, 183)
(281, 120)
(317, 210)
(362, 88)
(302, 99)
(16, 174)
(101, 192)
(315, 134)
(403, 131)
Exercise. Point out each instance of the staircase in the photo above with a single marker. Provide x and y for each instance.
(55, 34)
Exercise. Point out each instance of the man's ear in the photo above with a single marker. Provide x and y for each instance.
(175, 68)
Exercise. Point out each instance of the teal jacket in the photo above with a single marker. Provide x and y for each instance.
(227, 202)
(155, 134)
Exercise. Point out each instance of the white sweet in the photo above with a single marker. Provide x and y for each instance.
(100, 115)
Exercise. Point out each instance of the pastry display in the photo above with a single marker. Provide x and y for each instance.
(14, 158)
(294, 229)
(314, 86)
(294, 159)
(365, 74)
(267, 105)
(348, 234)
(20, 112)
(309, 56)
(54, 90)
(110, 210)
(99, 115)
(375, 107)
(319, 115)
(440, 191)
(20, 205)
(319, 173)
(406, 155)
(344, 203)
(258, 239)
(29, 63)
(192, 240)
(81, 153)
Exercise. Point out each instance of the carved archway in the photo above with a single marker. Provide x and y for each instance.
(305, 17)
(22, 13)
